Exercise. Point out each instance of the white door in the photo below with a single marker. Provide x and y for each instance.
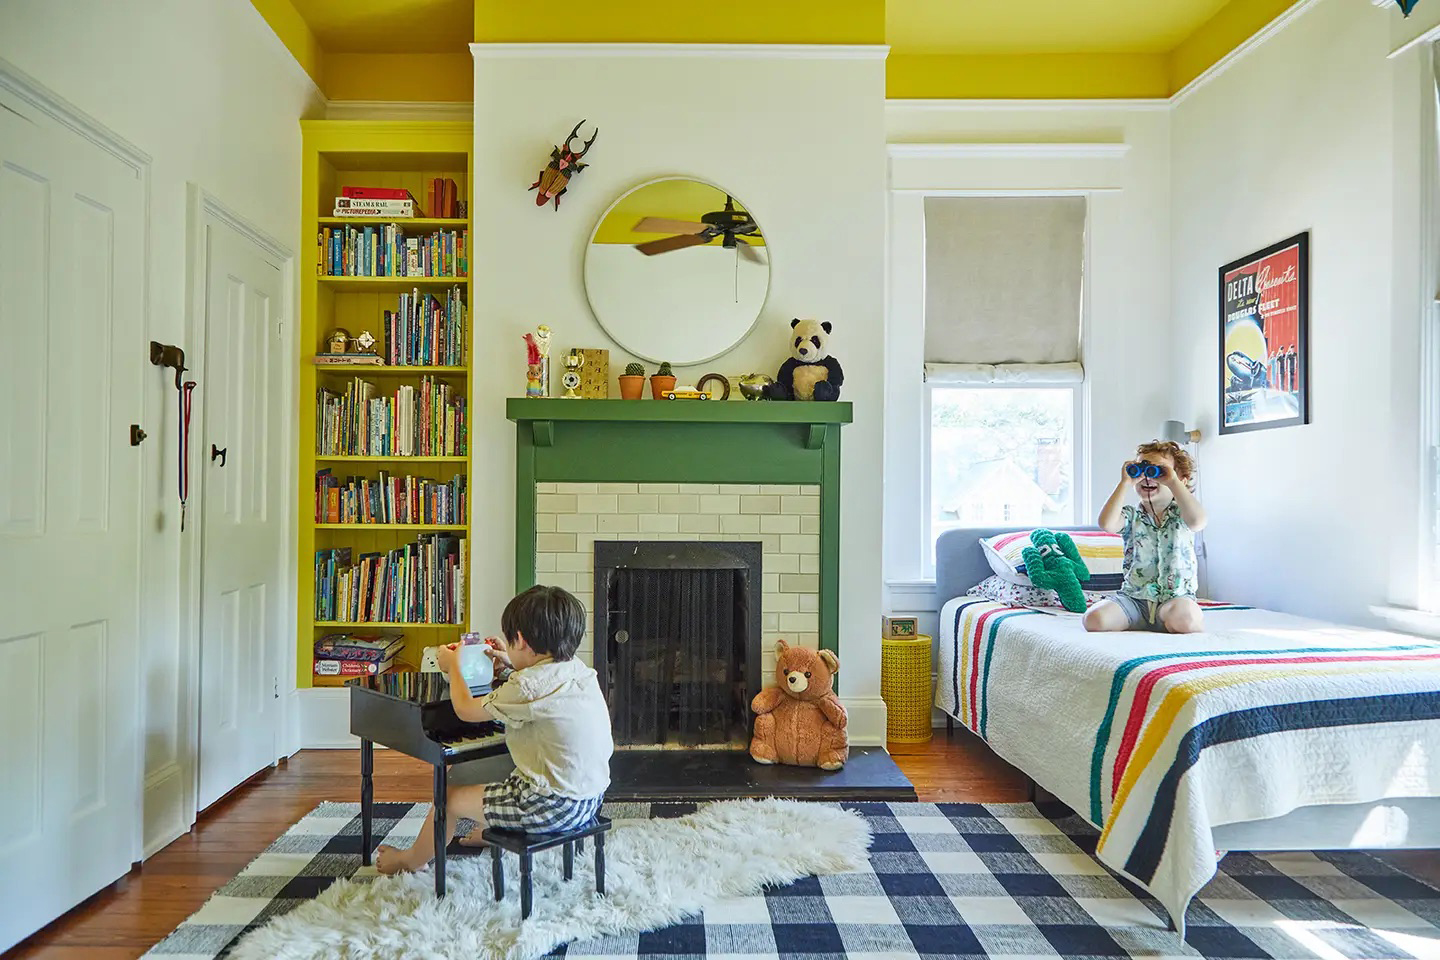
(241, 513)
(72, 354)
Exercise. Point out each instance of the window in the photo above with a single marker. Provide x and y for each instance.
(1000, 456)
(1003, 380)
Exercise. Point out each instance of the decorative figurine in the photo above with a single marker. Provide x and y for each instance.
(537, 362)
(554, 180)
(339, 340)
(365, 343)
(752, 385)
(573, 361)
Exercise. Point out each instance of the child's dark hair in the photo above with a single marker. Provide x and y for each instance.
(551, 619)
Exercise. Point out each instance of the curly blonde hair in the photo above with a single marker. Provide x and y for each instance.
(1184, 463)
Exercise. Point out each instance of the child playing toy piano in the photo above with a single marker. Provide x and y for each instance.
(557, 729)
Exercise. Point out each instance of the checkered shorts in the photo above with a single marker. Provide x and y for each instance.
(515, 803)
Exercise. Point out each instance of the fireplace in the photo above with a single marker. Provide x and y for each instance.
(677, 641)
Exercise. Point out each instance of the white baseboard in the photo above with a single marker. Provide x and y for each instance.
(325, 719)
(866, 721)
(165, 817)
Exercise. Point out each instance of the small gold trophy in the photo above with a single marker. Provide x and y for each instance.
(574, 360)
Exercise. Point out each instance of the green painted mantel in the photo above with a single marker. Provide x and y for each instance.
(682, 441)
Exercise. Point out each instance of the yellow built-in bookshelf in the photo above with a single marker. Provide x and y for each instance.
(406, 154)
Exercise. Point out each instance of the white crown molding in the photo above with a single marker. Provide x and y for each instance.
(30, 91)
(1259, 39)
(1008, 151)
(716, 51)
(398, 110)
(1011, 106)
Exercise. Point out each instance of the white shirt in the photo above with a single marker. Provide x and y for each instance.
(557, 727)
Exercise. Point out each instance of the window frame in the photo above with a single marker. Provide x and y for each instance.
(1427, 580)
(1079, 451)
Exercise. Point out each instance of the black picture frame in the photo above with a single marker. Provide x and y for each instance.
(1264, 338)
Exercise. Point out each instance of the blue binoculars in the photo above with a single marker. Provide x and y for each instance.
(1152, 471)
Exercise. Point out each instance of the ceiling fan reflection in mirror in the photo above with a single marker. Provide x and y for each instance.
(730, 226)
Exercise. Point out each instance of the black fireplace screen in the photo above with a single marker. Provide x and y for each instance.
(678, 640)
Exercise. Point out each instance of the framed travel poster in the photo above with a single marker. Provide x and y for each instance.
(1265, 338)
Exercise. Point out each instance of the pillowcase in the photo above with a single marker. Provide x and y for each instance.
(1017, 595)
(1103, 553)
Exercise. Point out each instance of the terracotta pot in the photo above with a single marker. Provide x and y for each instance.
(631, 387)
(659, 386)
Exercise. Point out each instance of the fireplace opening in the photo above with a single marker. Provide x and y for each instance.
(678, 641)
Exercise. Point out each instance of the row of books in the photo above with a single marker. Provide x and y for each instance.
(421, 582)
(421, 687)
(384, 250)
(415, 420)
(443, 201)
(388, 499)
(341, 657)
(424, 330)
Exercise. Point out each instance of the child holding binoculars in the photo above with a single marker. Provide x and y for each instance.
(1158, 592)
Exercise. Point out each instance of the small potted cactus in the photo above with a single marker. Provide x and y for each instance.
(632, 382)
(662, 381)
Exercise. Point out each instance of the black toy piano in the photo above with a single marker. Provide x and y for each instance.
(411, 713)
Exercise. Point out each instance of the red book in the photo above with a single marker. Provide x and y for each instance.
(376, 193)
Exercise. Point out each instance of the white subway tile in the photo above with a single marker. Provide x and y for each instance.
(778, 489)
(810, 563)
(616, 488)
(810, 524)
(685, 537)
(544, 488)
(578, 488)
(639, 503)
(596, 503)
(800, 506)
(798, 583)
(680, 503)
(809, 640)
(772, 542)
(659, 523)
(770, 620)
(545, 562)
(809, 603)
(799, 622)
(555, 503)
(720, 503)
(801, 543)
(781, 603)
(618, 523)
(699, 489)
(781, 562)
(575, 563)
(770, 583)
(779, 523)
(699, 523)
(555, 542)
(545, 522)
(760, 504)
(575, 523)
(810, 489)
(741, 489)
(565, 581)
(740, 524)
(659, 488)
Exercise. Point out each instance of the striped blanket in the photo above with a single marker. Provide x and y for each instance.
(1157, 739)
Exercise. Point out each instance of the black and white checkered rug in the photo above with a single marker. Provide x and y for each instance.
(944, 880)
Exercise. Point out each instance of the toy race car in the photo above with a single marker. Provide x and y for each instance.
(687, 393)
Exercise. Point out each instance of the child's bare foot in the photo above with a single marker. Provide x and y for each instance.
(472, 839)
(389, 860)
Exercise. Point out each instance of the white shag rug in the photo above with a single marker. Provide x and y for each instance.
(656, 873)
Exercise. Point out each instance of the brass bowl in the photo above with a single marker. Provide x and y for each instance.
(753, 384)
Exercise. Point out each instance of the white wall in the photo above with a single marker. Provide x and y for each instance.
(212, 96)
(1119, 158)
(801, 142)
(1314, 129)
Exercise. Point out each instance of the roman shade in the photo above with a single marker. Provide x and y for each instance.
(1003, 281)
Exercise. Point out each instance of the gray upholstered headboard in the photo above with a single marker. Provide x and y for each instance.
(960, 563)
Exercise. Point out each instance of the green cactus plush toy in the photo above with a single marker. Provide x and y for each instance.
(1053, 563)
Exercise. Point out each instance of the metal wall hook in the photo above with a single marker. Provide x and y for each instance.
(218, 453)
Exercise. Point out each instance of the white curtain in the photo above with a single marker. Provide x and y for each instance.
(1003, 280)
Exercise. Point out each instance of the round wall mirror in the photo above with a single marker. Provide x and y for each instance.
(677, 270)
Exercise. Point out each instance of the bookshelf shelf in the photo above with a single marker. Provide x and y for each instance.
(371, 370)
(405, 155)
(418, 527)
(387, 624)
(429, 223)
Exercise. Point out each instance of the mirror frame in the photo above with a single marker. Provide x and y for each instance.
(769, 284)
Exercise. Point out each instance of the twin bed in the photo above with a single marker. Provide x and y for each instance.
(1267, 732)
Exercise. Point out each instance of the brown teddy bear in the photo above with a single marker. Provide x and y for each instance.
(800, 720)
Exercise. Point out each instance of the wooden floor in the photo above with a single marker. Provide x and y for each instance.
(130, 916)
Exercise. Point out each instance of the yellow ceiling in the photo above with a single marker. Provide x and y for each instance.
(416, 49)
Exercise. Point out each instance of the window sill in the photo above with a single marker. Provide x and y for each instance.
(1409, 620)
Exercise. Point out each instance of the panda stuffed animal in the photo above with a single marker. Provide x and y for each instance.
(810, 373)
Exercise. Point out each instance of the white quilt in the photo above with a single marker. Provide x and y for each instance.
(1157, 739)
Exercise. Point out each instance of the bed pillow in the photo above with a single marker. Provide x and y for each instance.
(1017, 595)
(1104, 555)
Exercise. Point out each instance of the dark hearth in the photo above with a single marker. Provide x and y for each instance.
(659, 775)
(677, 646)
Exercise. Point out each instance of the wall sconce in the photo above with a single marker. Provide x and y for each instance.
(1175, 432)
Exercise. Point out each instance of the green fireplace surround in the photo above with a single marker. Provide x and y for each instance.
(682, 441)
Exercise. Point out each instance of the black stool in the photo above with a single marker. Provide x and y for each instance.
(527, 844)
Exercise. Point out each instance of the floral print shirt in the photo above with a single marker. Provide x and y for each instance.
(1159, 561)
